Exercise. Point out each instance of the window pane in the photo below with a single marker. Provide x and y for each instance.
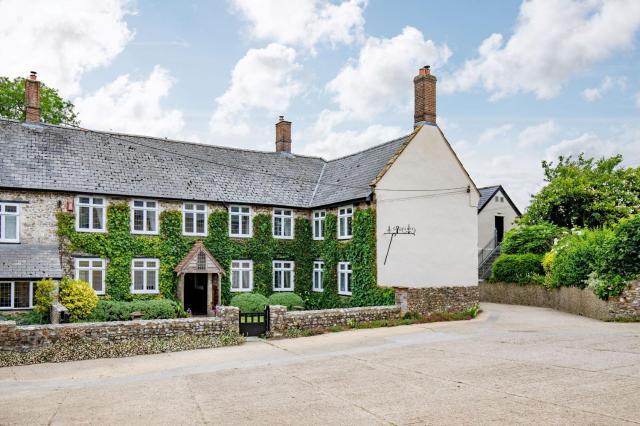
(96, 263)
(21, 294)
(97, 201)
(138, 263)
(246, 283)
(97, 280)
(138, 277)
(277, 279)
(151, 221)
(10, 227)
(83, 220)
(188, 206)
(277, 226)
(200, 207)
(287, 227)
(138, 203)
(83, 275)
(349, 283)
(97, 218)
(287, 279)
(235, 224)
(138, 223)
(151, 280)
(83, 263)
(151, 204)
(84, 200)
(200, 223)
(5, 295)
(11, 209)
(188, 223)
(245, 225)
(235, 279)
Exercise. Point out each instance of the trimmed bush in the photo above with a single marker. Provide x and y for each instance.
(78, 297)
(43, 297)
(536, 239)
(517, 268)
(111, 310)
(624, 254)
(290, 300)
(249, 302)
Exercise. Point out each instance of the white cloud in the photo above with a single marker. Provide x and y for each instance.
(381, 76)
(623, 142)
(552, 41)
(61, 40)
(540, 134)
(132, 106)
(591, 94)
(305, 22)
(263, 78)
(333, 144)
(495, 134)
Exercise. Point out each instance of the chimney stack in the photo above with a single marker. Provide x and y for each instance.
(425, 97)
(283, 135)
(32, 98)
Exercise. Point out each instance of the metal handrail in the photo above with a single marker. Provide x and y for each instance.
(485, 252)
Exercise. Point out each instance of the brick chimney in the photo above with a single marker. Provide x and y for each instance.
(32, 98)
(425, 97)
(283, 135)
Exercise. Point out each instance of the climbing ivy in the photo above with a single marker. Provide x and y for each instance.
(170, 246)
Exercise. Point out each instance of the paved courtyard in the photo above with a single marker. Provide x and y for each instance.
(511, 365)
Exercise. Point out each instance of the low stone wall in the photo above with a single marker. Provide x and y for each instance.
(567, 299)
(281, 319)
(24, 338)
(437, 299)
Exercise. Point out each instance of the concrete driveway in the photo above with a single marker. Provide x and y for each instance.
(511, 365)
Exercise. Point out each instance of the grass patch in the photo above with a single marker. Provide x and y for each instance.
(78, 349)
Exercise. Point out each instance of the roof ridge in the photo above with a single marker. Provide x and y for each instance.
(315, 190)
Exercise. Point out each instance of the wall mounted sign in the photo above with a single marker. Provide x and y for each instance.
(397, 230)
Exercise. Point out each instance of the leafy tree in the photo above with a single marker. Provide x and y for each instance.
(53, 109)
(585, 193)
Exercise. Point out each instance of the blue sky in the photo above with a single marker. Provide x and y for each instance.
(518, 82)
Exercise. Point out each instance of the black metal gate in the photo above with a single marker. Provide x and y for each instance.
(254, 323)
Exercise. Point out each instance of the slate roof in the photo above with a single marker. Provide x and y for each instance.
(48, 157)
(488, 192)
(29, 261)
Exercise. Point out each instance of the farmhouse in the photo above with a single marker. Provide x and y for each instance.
(142, 217)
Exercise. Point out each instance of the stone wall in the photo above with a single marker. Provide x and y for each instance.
(281, 319)
(37, 214)
(567, 299)
(428, 300)
(24, 338)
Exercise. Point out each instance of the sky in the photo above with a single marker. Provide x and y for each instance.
(518, 82)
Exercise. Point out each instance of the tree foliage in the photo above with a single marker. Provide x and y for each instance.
(53, 108)
(585, 193)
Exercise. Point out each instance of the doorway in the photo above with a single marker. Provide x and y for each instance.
(195, 293)
(499, 222)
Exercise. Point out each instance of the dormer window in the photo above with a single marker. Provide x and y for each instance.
(9, 223)
(91, 214)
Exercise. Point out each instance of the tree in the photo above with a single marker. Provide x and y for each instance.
(53, 109)
(585, 193)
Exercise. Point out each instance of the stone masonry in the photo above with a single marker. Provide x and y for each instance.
(281, 319)
(425, 301)
(24, 338)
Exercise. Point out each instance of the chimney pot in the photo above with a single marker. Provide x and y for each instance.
(32, 98)
(425, 97)
(33, 75)
(283, 135)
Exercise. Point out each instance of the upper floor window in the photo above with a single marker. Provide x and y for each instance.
(240, 221)
(344, 278)
(92, 272)
(17, 294)
(282, 223)
(318, 224)
(345, 221)
(194, 219)
(144, 217)
(283, 275)
(241, 275)
(318, 275)
(9, 223)
(91, 214)
(144, 275)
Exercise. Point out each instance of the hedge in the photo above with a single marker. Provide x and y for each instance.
(536, 239)
(249, 302)
(517, 268)
(290, 300)
(114, 310)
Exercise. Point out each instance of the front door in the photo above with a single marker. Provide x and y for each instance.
(499, 228)
(195, 293)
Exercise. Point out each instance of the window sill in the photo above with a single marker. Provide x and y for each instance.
(240, 236)
(9, 242)
(184, 234)
(315, 290)
(283, 238)
(241, 290)
(318, 238)
(283, 289)
(344, 294)
(144, 232)
(94, 231)
(144, 292)
(346, 238)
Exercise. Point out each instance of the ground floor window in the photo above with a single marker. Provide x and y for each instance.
(17, 294)
(92, 272)
(241, 275)
(283, 275)
(144, 275)
(344, 278)
(318, 275)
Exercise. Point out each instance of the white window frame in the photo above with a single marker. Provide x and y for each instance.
(91, 205)
(195, 212)
(241, 269)
(282, 214)
(145, 268)
(13, 295)
(278, 265)
(146, 211)
(318, 276)
(3, 215)
(319, 217)
(240, 214)
(92, 268)
(343, 215)
(348, 271)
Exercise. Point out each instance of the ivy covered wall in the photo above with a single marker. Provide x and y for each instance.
(170, 246)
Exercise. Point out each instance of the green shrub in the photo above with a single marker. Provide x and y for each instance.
(111, 310)
(530, 239)
(624, 254)
(606, 286)
(249, 302)
(577, 255)
(43, 297)
(290, 300)
(517, 268)
(78, 297)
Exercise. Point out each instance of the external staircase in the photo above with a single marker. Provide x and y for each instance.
(486, 256)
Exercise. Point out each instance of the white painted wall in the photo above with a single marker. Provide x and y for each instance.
(486, 221)
(444, 250)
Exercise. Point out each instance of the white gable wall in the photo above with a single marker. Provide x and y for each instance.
(444, 250)
(486, 218)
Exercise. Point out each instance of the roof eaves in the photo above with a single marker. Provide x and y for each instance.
(394, 157)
